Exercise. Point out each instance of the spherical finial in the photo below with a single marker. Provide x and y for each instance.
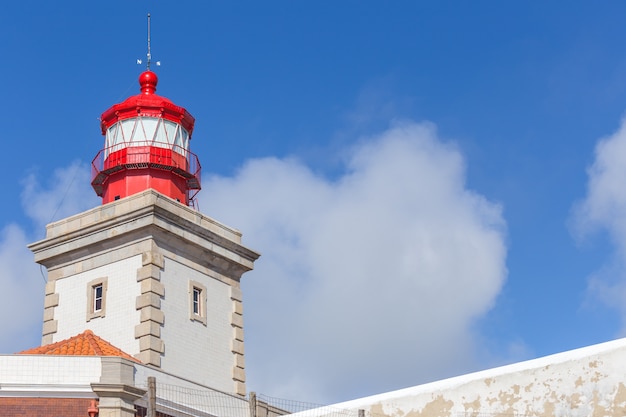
(148, 81)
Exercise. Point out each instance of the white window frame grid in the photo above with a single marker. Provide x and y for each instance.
(148, 131)
(92, 287)
(200, 289)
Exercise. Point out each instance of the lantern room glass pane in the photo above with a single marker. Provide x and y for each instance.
(112, 136)
(149, 130)
(170, 131)
(128, 126)
(179, 139)
(146, 131)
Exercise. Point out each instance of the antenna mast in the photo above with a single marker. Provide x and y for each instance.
(149, 56)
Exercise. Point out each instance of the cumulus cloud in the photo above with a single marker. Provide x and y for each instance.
(369, 281)
(21, 297)
(604, 209)
(64, 193)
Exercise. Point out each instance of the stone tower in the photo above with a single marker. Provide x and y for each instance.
(145, 270)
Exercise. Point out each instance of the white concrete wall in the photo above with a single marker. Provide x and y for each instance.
(174, 393)
(48, 376)
(192, 350)
(118, 325)
(580, 383)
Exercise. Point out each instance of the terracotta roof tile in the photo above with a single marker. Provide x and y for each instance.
(84, 344)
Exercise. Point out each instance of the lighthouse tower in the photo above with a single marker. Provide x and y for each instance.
(145, 271)
(146, 146)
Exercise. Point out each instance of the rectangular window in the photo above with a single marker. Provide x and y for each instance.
(197, 293)
(96, 298)
(197, 302)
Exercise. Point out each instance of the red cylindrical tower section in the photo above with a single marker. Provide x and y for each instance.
(146, 146)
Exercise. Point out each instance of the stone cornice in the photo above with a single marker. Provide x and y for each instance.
(46, 391)
(128, 392)
(147, 215)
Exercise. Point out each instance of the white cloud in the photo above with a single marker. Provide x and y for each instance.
(21, 297)
(604, 208)
(367, 282)
(605, 204)
(64, 193)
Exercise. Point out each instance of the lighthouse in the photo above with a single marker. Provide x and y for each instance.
(146, 146)
(145, 271)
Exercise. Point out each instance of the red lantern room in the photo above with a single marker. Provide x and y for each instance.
(146, 146)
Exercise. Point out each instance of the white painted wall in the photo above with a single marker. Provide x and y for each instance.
(192, 350)
(48, 375)
(173, 391)
(118, 325)
(580, 383)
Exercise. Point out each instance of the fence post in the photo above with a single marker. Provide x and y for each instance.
(252, 402)
(151, 397)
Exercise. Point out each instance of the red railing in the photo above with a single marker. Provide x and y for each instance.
(177, 159)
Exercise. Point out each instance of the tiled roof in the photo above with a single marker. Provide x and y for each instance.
(84, 344)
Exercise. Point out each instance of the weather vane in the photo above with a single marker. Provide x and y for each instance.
(148, 55)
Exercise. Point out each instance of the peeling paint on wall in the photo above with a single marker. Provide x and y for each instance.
(586, 382)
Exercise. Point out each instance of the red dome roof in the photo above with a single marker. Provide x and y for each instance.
(147, 104)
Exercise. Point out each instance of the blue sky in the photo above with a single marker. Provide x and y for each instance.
(465, 131)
